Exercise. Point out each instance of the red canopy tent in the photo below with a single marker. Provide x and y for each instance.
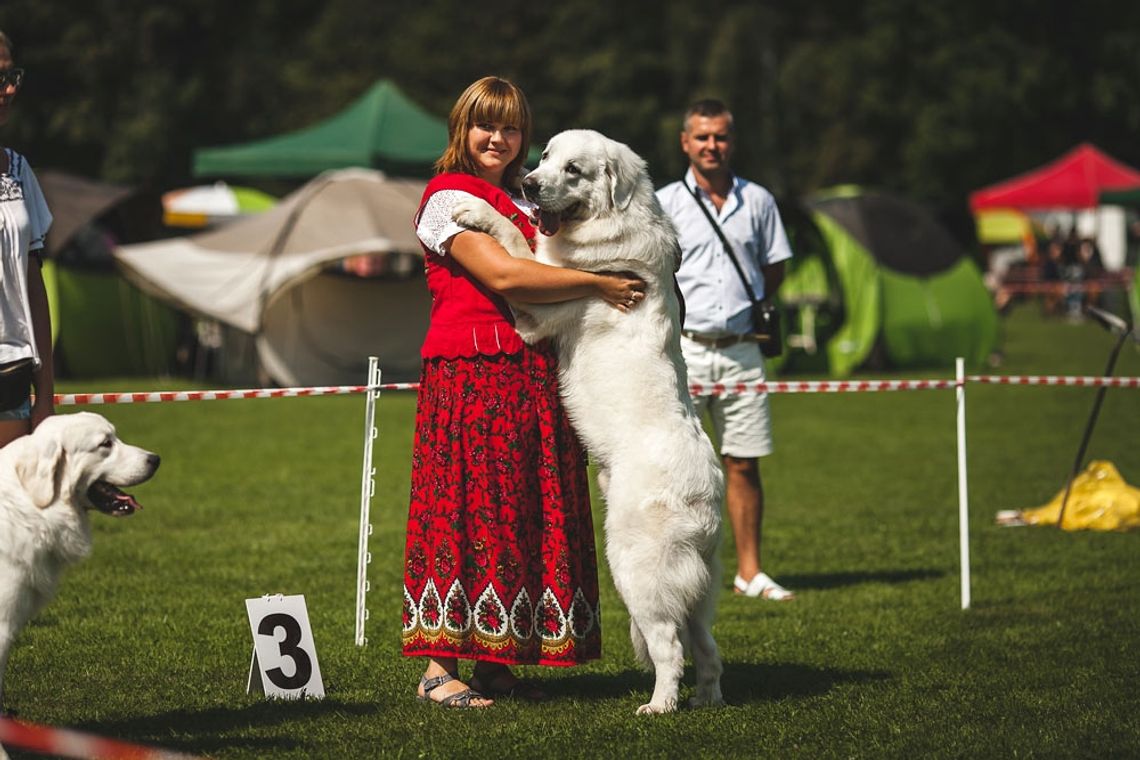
(1074, 181)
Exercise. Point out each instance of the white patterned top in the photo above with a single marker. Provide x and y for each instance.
(436, 228)
(24, 223)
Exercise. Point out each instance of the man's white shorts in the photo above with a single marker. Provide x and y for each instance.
(741, 422)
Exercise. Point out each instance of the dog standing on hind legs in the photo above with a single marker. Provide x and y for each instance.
(624, 383)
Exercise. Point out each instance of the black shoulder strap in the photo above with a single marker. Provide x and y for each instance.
(724, 242)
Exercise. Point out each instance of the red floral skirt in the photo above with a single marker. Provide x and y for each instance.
(500, 563)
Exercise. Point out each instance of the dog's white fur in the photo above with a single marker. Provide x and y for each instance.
(44, 482)
(625, 386)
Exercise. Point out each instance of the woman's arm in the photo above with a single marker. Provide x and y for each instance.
(529, 281)
(44, 377)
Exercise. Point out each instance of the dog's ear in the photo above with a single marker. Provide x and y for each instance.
(622, 170)
(39, 466)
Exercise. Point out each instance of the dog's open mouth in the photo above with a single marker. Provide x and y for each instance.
(110, 500)
(550, 221)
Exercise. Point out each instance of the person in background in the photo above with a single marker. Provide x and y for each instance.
(1093, 270)
(500, 565)
(1073, 275)
(715, 336)
(25, 323)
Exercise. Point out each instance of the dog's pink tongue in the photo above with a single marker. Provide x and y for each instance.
(548, 222)
(125, 504)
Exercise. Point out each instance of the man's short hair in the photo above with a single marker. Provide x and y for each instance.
(708, 107)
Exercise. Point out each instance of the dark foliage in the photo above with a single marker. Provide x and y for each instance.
(930, 100)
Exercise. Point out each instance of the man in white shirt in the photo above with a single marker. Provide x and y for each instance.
(718, 316)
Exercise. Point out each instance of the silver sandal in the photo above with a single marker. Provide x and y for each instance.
(460, 699)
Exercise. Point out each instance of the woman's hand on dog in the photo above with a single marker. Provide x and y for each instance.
(622, 290)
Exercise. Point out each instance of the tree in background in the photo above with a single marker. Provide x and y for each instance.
(928, 99)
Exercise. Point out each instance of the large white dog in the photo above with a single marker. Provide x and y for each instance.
(49, 480)
(624, 384)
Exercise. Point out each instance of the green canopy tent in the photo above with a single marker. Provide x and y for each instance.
(382, 129)
(886, 276)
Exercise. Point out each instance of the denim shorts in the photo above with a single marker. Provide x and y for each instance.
(22, 412)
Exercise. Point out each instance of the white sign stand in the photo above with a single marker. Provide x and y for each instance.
(284, 662)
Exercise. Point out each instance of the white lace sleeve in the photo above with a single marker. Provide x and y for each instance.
(436, 228)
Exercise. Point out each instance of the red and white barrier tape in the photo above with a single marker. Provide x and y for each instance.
(66, 743)
(819, 386)
(65, 399)
(697, 389)
(1079, 382)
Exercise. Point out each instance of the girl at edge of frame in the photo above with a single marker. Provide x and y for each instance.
(25, 322)
(500, 565)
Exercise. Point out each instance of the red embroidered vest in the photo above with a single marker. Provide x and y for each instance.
(466, 318)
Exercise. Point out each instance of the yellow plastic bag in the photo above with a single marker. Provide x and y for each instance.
(1099, 500)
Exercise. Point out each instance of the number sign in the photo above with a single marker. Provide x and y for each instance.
(284, 662)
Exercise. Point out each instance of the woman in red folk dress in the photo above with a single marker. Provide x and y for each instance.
(500, 565)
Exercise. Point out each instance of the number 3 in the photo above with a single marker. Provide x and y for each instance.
(288, 648)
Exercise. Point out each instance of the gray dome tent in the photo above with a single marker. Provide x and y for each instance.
(273, 276)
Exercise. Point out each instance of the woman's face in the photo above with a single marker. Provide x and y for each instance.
(7, 91)
(493, 145)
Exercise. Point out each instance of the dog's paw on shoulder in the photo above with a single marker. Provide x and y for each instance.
(474, 213)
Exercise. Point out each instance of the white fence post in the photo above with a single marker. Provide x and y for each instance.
(367, 489)
(963, 491)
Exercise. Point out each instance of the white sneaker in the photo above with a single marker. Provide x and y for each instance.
(764, 587)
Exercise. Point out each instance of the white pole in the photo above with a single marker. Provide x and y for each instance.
(367, 489)
(963, 491)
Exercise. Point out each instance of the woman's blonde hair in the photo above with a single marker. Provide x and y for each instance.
(490, 99)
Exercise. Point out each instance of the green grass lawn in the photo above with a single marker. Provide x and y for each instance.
(148, 640)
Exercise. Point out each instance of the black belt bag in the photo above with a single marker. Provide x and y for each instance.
(15, 383)
(765, 315)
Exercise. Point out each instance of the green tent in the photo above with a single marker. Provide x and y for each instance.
(1134, 297)
(107, 326)
(102, 325)
(881, 276)
(1126, 197)
(382, 129)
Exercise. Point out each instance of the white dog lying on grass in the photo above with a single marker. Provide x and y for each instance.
(625, 386)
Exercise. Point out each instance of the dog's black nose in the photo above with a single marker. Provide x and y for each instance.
(154, 460)
(529, 186)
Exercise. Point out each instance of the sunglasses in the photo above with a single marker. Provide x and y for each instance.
(11, 78)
